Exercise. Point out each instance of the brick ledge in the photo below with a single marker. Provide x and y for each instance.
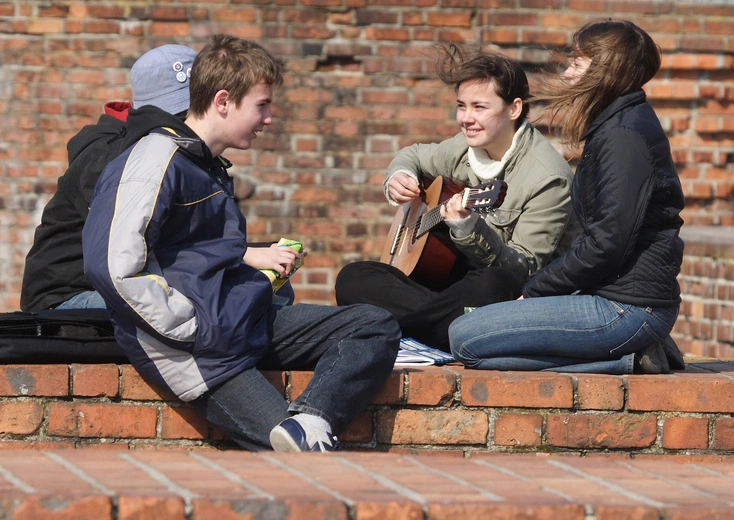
(434, 408)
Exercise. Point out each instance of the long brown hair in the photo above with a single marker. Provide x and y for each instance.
(623, 58)
(457, 65)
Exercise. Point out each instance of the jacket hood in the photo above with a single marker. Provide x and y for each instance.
(142, 121)
(149, 119)
(110, 126)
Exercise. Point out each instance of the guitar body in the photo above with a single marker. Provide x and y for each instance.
(431, 256)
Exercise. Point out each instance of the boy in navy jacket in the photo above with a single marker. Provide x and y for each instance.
(164, 245)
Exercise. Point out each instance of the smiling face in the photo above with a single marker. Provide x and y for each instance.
(250, 116)
(578, 68)
(485, 119)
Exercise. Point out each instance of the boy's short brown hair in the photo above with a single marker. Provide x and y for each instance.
(232, 64)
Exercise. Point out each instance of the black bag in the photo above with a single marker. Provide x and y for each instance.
(58, 336)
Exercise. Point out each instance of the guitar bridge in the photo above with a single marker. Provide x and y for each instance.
(396, 240)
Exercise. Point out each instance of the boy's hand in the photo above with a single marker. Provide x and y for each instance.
(282, 260)
(453, 209)
(402, 188)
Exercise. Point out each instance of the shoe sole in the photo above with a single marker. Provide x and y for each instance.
(282, 442)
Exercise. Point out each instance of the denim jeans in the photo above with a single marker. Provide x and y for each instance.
(84, 300)
(351, 350)
(580, 333)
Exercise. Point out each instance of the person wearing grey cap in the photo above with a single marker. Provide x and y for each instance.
(54, 269)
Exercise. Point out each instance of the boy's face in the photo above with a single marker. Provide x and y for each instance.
(250, 117)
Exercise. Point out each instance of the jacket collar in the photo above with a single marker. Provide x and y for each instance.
(635, 97)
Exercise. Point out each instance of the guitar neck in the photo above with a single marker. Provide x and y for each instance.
(482, 198)
(429, 220)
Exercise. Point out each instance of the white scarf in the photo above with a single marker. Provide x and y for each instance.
(487, 168)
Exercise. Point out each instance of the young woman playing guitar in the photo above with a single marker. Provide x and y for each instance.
(503, 248)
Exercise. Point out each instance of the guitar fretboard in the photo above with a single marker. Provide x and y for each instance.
(428, 220)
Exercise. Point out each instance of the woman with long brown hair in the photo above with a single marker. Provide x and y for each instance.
(609, 302)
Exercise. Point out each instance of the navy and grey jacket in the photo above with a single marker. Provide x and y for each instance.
(163, 244)
(627, 197)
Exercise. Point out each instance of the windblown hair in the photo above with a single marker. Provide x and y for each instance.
(232, 64)
(458, 65)
(623, 58)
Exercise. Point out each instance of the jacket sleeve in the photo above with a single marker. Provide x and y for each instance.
(142, 198)
(427, 161)
(536, 234)
(616, 190)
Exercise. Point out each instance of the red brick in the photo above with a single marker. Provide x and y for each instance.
(431, 386)
(134, 387)
(34, 380)
(66, 508)
(432, 427)
(605, 512)
(443, 19)
(681, 433)
(601, 431)
(22, 417)
(697, 512)
(238, 509)
(183, 423)
(393, 391)
(45, 26)
(143, 508)
(486, 509)
(512, 429)
(95, 380)
(599, 392)
(516, 389)
(724, 433)
(101, 420)
(359, 430)
(229, 15)
(670, 393)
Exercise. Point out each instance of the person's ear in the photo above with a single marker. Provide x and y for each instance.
(515, 109)
(221, 102)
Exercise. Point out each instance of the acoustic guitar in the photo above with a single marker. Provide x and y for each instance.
(415, 247)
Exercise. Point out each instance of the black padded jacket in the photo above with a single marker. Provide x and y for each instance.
(54, 269)
(628, 198)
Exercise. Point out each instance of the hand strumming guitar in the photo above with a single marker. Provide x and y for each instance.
(402, 188)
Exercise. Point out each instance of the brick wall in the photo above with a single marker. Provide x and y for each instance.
(360, 86)
(428, 408)
(706, 323)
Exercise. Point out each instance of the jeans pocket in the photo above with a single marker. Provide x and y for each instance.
(663, 316)
(644, 337)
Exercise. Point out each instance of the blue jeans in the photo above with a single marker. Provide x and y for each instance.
(580, 333)
(351, 351)
(84, 300)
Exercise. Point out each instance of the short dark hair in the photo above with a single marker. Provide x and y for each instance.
(458, 65)
(232, 64)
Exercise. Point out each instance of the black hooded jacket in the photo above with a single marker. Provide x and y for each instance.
(54, 268)
(628, 198)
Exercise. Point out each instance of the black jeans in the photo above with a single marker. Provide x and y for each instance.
(422, 313)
